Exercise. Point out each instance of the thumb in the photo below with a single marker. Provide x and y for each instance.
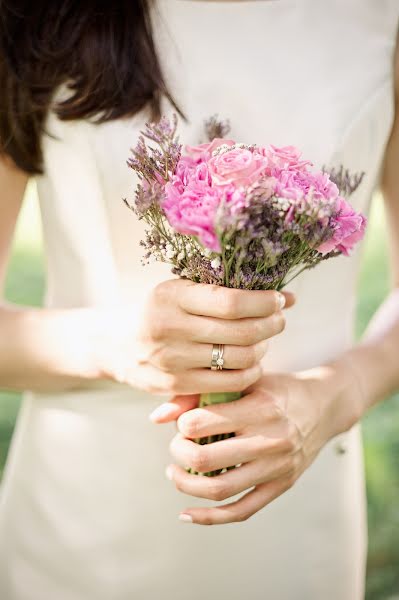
(170, 411)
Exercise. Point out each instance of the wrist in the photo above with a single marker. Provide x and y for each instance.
(73, 336)
(114, 342)
(339, 397)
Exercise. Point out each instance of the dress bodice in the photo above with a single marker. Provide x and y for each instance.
(314, 74)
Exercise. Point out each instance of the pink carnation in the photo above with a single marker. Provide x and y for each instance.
(188, 169)
(323, 187)
(234, 198)
(191, 210)
(298, 184)
(349, 227)
(238, 166)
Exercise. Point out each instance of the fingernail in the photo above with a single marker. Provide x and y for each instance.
(165, 410)
(169, 472)
(281, 301)
(185, 518)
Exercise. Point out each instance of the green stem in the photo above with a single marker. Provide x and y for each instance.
(218, 398)
(209, 400)
(284, 283)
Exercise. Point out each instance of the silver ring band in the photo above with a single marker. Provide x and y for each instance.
(217, 360)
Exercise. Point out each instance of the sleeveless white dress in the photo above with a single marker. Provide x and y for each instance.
(86, 511)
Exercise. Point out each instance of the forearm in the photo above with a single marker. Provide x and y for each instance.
(361, 377)
(45, 350)
(375, 360)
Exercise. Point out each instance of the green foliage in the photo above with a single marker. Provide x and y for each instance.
(25, 283)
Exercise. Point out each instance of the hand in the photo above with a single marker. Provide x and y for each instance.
(280, 425)
(171, 352)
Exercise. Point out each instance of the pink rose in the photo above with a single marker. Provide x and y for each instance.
(284, 158)
(204, 151)
(239, 166)
(349, 227)
(191, 210)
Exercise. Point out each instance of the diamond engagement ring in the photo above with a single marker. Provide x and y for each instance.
(217, 361)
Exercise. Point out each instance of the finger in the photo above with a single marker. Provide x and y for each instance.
(226, 303)
(221, 486)
(191, 381)
(176, 357)
(241, 509)
(235, 357)
(170, 411)
(201, 381)
(240, 332)
(218, 455)
(226, 417)
(290, 299)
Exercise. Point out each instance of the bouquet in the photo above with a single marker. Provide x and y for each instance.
(238, 215)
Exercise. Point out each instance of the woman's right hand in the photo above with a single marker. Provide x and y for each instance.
(170, 352)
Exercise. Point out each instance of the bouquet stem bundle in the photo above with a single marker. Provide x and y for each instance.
(209, 400)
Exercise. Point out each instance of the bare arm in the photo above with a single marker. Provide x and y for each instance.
(39, 349)
(376, 359)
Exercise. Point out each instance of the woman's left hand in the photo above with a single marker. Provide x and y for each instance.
(280, 425)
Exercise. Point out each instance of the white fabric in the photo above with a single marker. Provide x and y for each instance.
(86, 511)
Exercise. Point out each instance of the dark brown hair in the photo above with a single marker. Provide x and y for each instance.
(105, 52)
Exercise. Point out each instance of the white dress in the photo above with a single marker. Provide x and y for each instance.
(86, 511)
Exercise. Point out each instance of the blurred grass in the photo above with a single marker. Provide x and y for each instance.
(24, 285)
(381, 433)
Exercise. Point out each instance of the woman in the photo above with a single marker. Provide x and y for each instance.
(86, 513)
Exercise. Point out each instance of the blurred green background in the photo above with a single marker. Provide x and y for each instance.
(25, 283)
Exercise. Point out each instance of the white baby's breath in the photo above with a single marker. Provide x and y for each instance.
(215, 263)
(170, 251)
